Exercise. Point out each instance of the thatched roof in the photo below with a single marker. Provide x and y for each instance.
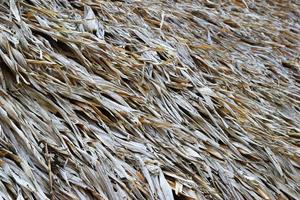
(149, 99)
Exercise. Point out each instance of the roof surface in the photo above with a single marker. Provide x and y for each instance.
(149, 99)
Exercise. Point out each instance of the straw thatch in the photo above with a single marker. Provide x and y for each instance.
(149, 99)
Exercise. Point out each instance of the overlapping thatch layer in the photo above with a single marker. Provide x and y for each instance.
(149, 99)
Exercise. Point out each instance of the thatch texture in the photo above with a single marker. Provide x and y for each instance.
(149, 99)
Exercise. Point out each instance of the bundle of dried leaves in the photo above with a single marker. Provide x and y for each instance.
(149, 99)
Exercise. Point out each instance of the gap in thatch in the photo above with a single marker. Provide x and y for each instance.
(9, 78)
(181, 197)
